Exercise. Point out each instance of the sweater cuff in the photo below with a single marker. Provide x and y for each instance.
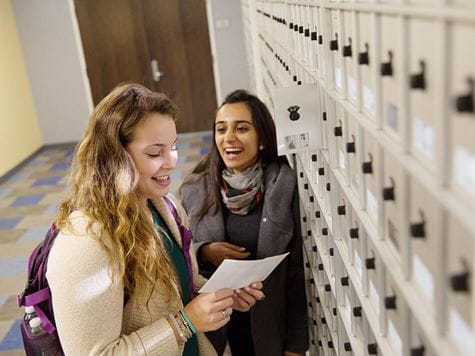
(158, 338)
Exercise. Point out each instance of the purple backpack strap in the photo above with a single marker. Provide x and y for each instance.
(38, 261)
(186, 238)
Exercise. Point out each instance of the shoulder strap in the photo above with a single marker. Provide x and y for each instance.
(186, 238)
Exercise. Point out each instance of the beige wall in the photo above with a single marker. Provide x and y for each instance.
(19, 130)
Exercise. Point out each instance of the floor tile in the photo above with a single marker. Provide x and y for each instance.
(13, 266)
(10, 309)
(18, 176)
(27, 200)
(5, 326)
(4, 192)
(12, 339)
(9, 223)
(12, 285)
(10, 236)
(47, 181)
(34, 233)
(61, 166)
(3, 299)
(53, 198)
(35, 220)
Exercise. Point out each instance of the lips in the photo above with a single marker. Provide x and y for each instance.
(162, 180)
(232, 151)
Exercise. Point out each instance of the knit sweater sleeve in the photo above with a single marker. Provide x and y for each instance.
(88, 304)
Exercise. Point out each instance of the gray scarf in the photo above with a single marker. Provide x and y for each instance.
(242, 191)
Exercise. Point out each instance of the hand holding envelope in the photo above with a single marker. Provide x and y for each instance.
(235, 274)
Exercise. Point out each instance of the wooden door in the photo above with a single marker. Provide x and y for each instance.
(121, 38)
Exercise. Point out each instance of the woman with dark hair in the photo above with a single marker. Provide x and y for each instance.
(122, 279)
(243, 204)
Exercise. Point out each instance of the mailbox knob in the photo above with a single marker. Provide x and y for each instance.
(354, 234)
(341, 210)
(370, 263)
(338, 131)
(460, 282)
(367, 167)
(388, 193)
(418, 230)
(373, 349)
(347, 346)
(390, 302)
(350, 147)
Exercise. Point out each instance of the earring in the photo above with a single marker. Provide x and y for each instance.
(261, 147)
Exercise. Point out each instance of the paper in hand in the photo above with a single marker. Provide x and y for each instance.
(236, 274)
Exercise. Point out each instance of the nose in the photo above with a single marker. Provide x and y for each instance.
(170, 159)
(229, 135)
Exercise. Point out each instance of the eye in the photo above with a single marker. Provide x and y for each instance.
(153, 155)
(220, 130)
(242, 128)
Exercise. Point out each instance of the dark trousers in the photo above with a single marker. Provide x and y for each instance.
(237, 333)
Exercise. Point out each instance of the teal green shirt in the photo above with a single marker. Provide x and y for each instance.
(178, 260)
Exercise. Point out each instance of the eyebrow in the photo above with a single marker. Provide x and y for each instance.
(162, 144)
(234, 122)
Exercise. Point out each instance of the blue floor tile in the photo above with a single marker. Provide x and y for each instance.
(13, 339)
(207, 138)
(34, 234)
(204, 150)
(9, 223)
(27, 200)
(60, 166)
(13, 266)
(51, 208)
(18, 176)
(47, 181)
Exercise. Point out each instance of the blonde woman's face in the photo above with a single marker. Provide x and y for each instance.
(236, 137)
(153, 150)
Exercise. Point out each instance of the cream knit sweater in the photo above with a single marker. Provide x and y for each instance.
(88, 306)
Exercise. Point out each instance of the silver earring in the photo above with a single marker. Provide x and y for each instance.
(261, 147)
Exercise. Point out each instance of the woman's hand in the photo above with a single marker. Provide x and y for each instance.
(216, 252)
(210, 311)
(245, 298)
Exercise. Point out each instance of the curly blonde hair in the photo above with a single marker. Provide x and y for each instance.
(102, 185)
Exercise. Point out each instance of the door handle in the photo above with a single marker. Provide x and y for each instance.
(156, 74)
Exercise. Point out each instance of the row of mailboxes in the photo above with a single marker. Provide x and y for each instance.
(433, 281)
(388, 71)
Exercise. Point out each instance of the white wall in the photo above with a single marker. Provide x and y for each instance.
(227, 46)
(55, 64)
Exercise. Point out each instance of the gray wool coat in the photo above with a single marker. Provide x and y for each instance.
(280, 322)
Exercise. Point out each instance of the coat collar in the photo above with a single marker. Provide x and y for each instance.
(167, 217)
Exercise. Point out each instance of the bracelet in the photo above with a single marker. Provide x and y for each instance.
(175, 326)
(182, 324)
(187, 321)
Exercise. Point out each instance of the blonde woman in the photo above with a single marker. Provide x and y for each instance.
(123, 281)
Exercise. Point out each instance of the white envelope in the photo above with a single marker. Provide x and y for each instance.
(236, 274)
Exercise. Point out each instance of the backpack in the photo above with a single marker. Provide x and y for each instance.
(38, 295)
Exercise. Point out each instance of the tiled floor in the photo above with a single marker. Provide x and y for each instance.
(28, 202)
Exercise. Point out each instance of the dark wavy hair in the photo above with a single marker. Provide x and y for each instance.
(212, 164)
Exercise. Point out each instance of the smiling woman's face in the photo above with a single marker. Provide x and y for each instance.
(153, 150)
(236, 137)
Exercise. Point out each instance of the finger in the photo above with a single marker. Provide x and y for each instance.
(222, 294)
(257, 285)
(240, 304)
(238, 255)
(234, 247)
(249, 299)
(221, 304)
(256, 293)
